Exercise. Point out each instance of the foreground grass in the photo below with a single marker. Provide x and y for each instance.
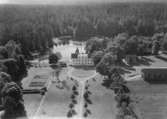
(104, 104)
(56, 98)
(32, 101)
(150, 100)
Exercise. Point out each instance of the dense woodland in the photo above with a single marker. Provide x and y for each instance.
(34, 26)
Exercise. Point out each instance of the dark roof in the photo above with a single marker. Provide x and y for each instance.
(155, 69)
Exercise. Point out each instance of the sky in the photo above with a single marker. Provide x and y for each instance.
(67, 1)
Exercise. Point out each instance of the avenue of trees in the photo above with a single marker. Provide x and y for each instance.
(33, 27)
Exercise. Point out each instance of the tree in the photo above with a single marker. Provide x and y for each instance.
(130, 46)
(97, 56)
(4, 78)
(54, 58)
(116, 50)
(13, 101)
(22, 68)
(157, 38)
(155, 47)
(94, 44)
(3, 52)
(164, 45)
(129, 24)
(107, 63)
(145, 27)
(114, 79)
(85, 30)
(164, 42)
(12, 68)
(13, 49)
(3, 68)
(120, 39)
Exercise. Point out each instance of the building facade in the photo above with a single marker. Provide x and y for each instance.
(157, 75)
(81, 60)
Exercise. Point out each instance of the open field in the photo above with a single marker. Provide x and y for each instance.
(149, 99)
(104, 105)
(56, 103)
(32, 101)
(82, 73)
(57, 98)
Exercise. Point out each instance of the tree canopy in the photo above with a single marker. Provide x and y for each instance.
(33, 27)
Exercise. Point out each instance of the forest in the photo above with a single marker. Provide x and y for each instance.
(34, 26)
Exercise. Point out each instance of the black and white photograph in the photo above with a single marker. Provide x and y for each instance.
(83, 59)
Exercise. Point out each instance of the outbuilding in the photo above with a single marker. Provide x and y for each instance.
(131, 59)
(155, 74)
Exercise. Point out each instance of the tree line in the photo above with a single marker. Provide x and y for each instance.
(12, 70)
(35, 26)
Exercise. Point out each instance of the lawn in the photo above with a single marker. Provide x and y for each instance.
(149, 100)
(32, 101)
(83, 72)
(103, 103)
(55, 102)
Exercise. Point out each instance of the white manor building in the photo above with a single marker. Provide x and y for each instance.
(81, 59)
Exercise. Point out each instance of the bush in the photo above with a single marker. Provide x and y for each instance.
(12, 68)
(54, 58)
(97, 56)
(3, 53)
(164, 45)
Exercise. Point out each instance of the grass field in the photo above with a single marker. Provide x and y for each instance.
(32, 101)
(149, 99)
(82, 72)
(56, 100)
(104, 105)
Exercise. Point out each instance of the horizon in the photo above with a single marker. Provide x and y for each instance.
(73, 2)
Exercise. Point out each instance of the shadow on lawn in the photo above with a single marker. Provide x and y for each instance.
(155, 82)
(161, 58)
(125, 68)
(85, 67)
(144, 61)
(123, 71)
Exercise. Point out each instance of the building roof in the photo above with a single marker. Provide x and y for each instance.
(155, 69)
